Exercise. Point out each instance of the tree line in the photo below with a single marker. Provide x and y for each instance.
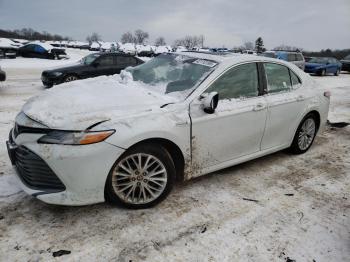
(31, 34)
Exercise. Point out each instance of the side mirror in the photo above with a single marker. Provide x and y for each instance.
(210, 102)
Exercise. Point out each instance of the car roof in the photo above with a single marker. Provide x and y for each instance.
(228, 57)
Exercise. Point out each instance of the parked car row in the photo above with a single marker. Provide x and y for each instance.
(314, 65)
(10, 49)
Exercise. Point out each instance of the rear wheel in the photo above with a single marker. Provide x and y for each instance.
(70, 78)
(141, 178)
(337, 72)
(304, 135)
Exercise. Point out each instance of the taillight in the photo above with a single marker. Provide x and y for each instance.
(327, 94)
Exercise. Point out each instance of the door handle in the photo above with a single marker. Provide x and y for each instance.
(301, 98)
(259, 107)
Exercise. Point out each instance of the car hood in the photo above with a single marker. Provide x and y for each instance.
(345, 61)
(78, 105)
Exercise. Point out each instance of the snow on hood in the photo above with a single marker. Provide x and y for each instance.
(80, 104)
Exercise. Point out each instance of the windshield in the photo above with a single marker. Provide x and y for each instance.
(347, 57)
(319, 60)
(173, 73)
(87, 60)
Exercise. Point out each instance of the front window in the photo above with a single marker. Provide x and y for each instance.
(172, 73)
(319, 60)
(347, 57)
(238, 82)
(87, 60)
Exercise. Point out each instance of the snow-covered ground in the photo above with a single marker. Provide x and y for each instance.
(300, 208)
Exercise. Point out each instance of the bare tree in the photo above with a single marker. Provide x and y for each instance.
(94, 37)
(140, 36)
(160, 41)
(190, 41)
(248, 46)
(127, 38)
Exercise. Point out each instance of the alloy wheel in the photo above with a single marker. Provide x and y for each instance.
(307, 133)
(70, 78)
(139, 178)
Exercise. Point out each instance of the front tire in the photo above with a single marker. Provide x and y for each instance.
(322, 72)
(142, 177)
(337, 72)
(70, 78)
(305, 134)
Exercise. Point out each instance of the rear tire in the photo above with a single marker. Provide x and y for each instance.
(305, 134)
(141, 178)
(337, 72)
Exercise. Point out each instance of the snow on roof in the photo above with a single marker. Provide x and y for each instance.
(161, 49)
(5, 42)
(46, 46)
(95, 45)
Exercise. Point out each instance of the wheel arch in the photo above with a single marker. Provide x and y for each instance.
(317, 116)
(172, 148)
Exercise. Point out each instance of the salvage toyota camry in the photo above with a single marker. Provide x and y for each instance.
(127, 138)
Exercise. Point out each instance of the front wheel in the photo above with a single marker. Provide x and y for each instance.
(70, 78)
(304, 135)
(141, 178)
(337, 72)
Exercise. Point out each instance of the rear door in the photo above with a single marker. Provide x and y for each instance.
(126, 61)
(286, 104)
(105, 65)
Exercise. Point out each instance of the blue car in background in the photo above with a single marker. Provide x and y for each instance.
(323, 65)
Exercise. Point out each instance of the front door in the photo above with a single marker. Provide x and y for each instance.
(236, 127)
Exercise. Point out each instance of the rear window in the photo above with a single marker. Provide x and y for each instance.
(295, 79)
(299, 57)
(291, 57)
(278, 78)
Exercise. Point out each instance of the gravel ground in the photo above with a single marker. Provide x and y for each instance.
(277, 208)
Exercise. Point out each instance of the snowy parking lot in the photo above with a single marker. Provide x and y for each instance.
(280, 207)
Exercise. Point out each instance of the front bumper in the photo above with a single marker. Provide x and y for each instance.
(83, 170)
(48, 80)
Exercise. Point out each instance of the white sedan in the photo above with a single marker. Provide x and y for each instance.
(127, 138)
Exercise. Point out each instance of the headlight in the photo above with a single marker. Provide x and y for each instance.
(56, 73)
(75, 138)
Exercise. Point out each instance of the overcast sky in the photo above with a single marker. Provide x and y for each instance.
(310, 24)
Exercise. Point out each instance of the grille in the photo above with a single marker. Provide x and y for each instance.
(34, 172)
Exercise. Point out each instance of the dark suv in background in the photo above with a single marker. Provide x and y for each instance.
(345, 63)
(92, 65)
